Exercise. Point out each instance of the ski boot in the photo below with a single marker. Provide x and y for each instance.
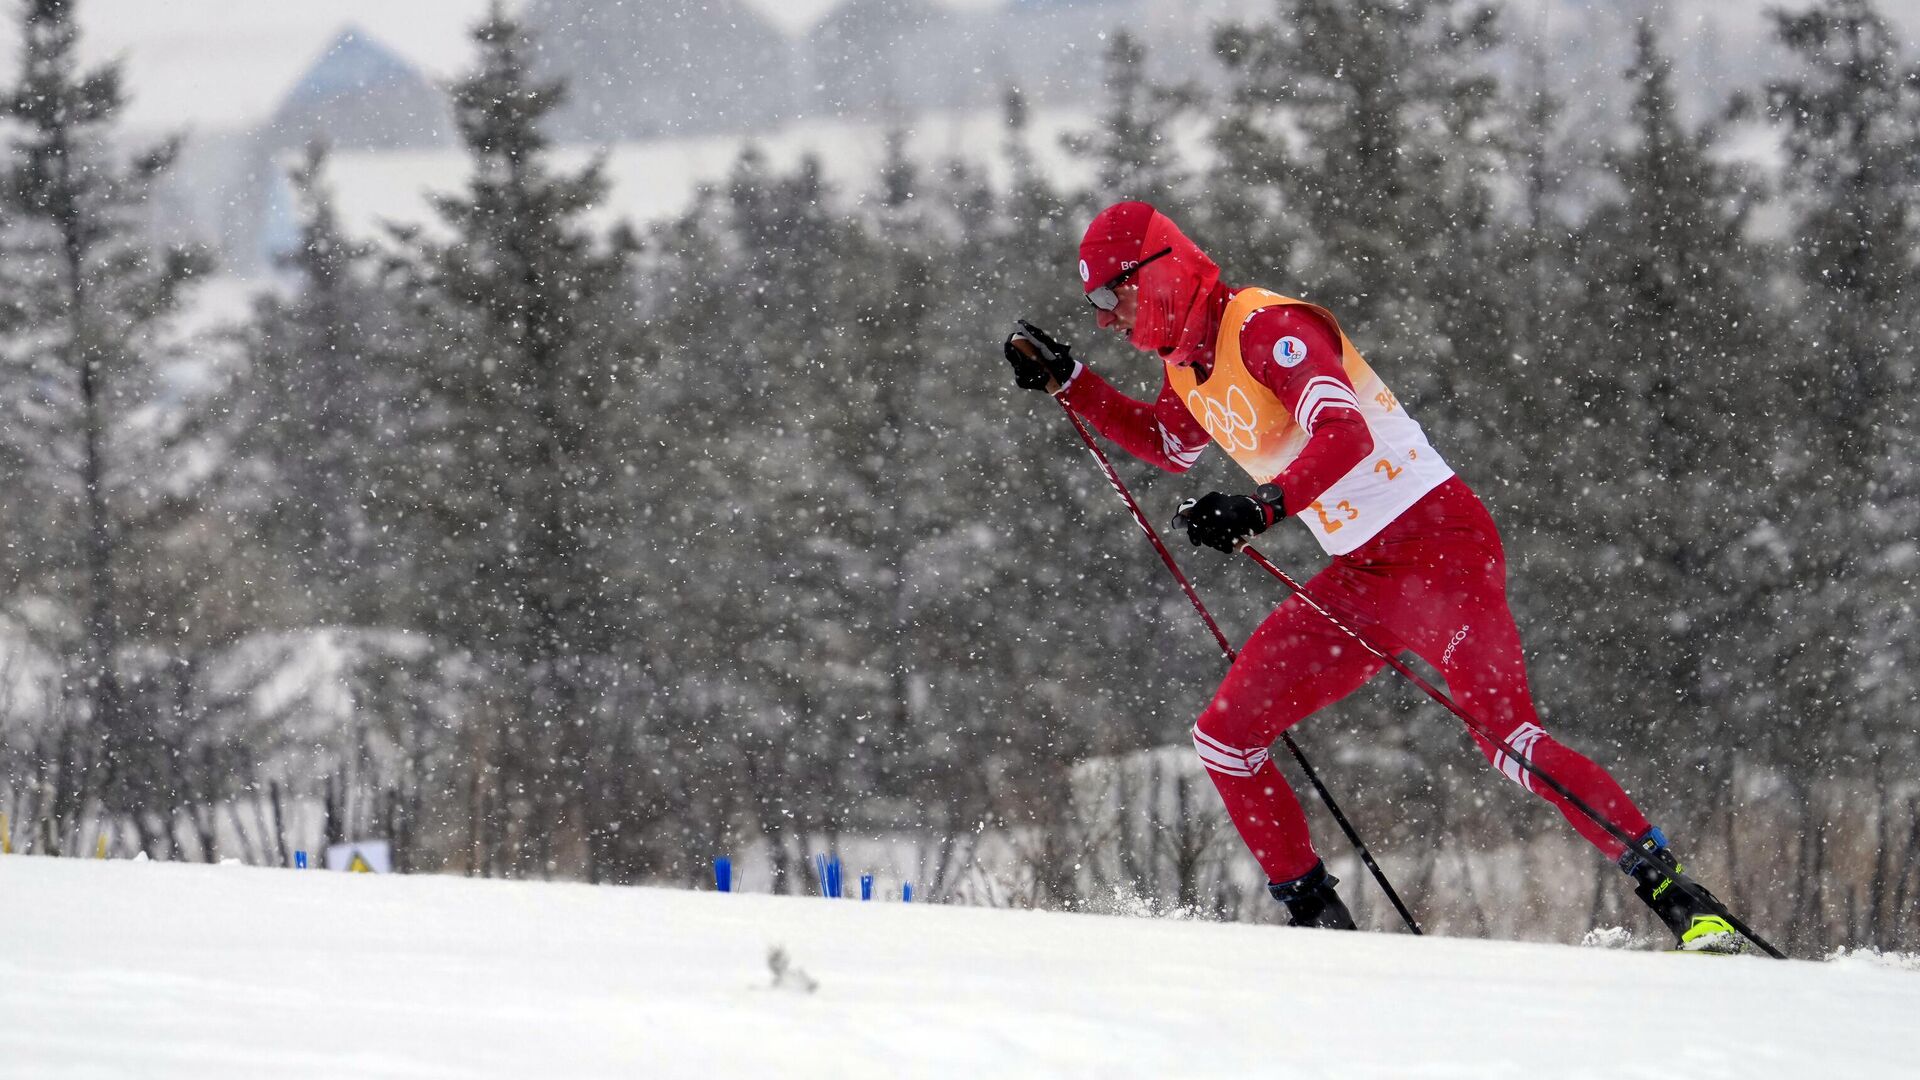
(1311, 901)
(1694, 925)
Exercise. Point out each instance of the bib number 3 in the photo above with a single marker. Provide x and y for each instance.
(1329, 523)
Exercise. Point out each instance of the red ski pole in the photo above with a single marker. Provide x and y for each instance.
(1661, 859)
(1193, 598)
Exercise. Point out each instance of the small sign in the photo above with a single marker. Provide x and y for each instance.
(361, 857)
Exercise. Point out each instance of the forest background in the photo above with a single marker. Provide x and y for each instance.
(547, 547)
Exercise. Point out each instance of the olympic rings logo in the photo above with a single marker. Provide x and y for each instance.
(1230, 422)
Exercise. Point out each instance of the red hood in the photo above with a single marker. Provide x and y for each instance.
(1174, 289)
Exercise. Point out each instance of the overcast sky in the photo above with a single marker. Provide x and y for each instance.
(210, 64)
(207, 65)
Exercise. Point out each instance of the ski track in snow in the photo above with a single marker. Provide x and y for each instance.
(170, 970)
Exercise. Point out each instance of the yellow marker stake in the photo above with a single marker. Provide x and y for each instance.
(6, 837)
(100, 847)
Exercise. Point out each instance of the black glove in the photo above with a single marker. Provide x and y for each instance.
(1036, 358)
(1224, 522)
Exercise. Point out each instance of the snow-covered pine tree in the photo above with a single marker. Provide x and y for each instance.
(319, 416)
(112, 469)
(1368, 121)
(1851, 123)
(519, 437)
(1657, 385)
(1840, 641)
(1134, 149)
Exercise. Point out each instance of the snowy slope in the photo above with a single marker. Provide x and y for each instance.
(120, 969)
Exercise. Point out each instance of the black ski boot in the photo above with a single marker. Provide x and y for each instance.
(1311, 901)
(1695, 927)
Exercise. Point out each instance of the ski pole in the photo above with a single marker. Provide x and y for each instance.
(1661, 859)
(1193, 598)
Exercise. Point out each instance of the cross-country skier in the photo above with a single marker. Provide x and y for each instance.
(1417, 562)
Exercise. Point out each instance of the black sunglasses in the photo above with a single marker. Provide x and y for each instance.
(1105, 298)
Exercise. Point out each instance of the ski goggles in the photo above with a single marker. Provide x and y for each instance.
(1105, 298)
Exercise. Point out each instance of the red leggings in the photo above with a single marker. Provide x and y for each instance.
(1434, 583)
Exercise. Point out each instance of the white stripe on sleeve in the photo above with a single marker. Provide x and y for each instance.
(1322, 392)
(1178, 452)
(1231, 761)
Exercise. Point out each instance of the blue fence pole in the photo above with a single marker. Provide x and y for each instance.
(866, 886)
(723, 873)
(299, 860)
(906, 892)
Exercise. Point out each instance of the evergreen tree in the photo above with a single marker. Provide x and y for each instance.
(806, 412)
(1033, 212)
(518, 441)
(1369, 121)
(1852, 130)
(319, 411)
(1839, 641)
(1660, 397)
(322, 421)
(1134, 151)
(92, 296)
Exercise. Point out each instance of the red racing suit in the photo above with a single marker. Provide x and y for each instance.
(1417, 561)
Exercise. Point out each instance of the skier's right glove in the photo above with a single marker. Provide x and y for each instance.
(1224, 522)
(1037, 359)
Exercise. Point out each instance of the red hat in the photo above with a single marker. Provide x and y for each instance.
(1113, 242)
(1173, 289)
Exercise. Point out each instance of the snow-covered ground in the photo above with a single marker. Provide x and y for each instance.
(144, 969)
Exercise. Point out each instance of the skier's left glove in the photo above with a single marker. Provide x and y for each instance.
(1039, 362)
(1223, 522)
